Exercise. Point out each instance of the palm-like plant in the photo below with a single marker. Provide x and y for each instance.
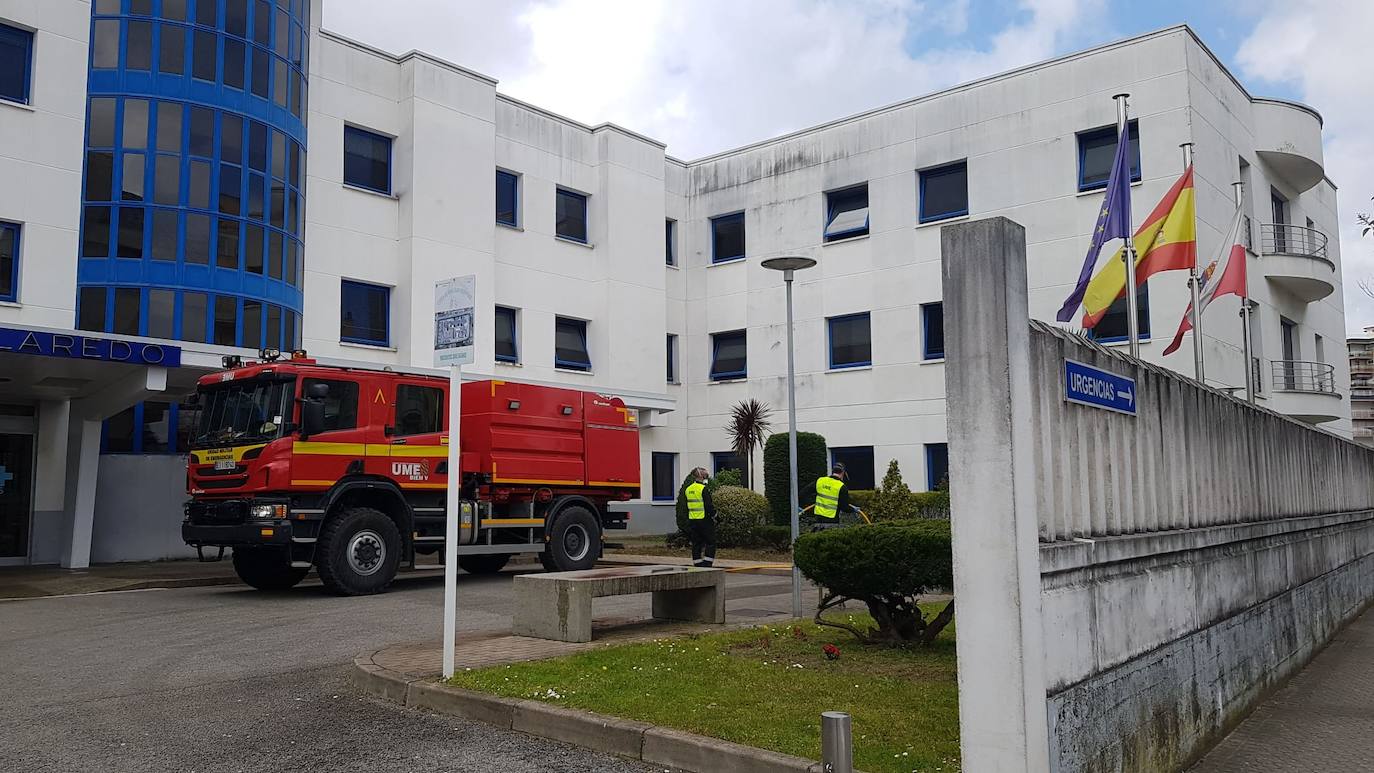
(748, 428)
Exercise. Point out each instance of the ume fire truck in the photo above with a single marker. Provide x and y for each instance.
(297, 464)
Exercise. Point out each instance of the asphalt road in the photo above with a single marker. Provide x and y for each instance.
(229, 679)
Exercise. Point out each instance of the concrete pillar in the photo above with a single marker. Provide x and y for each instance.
(1002, 710)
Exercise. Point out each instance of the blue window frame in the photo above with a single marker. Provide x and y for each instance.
(933, 331)
(858, 464)
(16, 63)
(937, 466)
(507, 340)
(944, 192)
(507, 199)
(151, 427)
(1112, 327)
(664, 469)
(365, 314)
(669, 248)
(846, 213)
(729, 355)
(570, 344)
(571, 216)
(367, 160)
(1097, 150)
(729, 460)
(727, 237)
(9, 262)
(851, 343)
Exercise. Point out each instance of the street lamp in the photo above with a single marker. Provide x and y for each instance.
(787, 265)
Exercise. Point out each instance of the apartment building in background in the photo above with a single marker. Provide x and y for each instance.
(1361, 353)
(233, 176)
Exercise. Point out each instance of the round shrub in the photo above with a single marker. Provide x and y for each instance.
(739, 512)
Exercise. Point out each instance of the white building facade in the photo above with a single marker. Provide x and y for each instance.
(605, 264)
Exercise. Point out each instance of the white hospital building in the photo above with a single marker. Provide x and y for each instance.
(195, 178)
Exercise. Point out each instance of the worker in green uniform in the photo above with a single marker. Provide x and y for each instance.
(701, 519)
(832, 499)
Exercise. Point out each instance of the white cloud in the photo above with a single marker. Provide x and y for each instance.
(1322, 48)
(713, 74)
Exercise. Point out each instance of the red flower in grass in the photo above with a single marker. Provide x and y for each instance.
(831, 652)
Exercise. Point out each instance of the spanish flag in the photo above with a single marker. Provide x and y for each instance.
(1166, 241)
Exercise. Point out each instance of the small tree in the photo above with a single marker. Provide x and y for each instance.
(886, 566)
(777, 475)
(748, 428)
(892, 501)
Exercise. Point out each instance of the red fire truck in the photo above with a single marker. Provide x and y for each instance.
(297, 464)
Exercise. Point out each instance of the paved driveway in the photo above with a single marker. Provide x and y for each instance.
(229, 679)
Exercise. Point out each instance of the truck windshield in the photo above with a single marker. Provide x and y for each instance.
(242, 412)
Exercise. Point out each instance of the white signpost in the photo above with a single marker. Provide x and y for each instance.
(453, 337)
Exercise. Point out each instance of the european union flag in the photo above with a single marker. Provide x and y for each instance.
(1113, 222)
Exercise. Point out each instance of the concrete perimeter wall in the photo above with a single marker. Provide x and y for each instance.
(1190, 558)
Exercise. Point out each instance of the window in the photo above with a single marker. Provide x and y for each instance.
(507, 341)
(850, 342)
(138, 52)
(507, 199)
(172, 49)
(729, 460)
(161, 308)
(1097, 151)
(9, 262)
(937, 466)
(91, 315)
(669, 251)
(571, 216)
(858, 463)
(846, 213)
(570, 344)
(729, 355)
(672, 359)
(727, 237)
(367, 160)
(126, 310)
(365, 315)
(1113, 325)
(664, 477)
(226, 320)
(195, 309)
(340, 405)
(16, 63)
(105, 44)
(419, 410)
(944, 192)
(933, 331)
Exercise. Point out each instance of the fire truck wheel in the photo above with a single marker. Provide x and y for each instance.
(489, 563)
(358, 552)
(575, 542)
(267, 569)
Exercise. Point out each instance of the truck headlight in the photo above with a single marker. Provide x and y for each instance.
(267, 511)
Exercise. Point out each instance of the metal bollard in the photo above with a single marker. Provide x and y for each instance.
(837, 742)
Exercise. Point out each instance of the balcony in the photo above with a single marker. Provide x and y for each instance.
(1288, 137)
(1295, 260)
(1306, 391)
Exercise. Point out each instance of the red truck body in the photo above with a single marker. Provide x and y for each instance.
(293, 460)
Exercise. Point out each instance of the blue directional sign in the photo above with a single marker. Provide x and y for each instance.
(1086, 385)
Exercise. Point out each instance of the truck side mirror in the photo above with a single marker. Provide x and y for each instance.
(312, 409)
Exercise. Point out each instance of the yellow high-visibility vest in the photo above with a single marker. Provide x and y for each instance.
(827, 496)
(696, 506)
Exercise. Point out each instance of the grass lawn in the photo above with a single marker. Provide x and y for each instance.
(765, 687)
(655, 546)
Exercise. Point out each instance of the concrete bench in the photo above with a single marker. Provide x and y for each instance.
(558, 605)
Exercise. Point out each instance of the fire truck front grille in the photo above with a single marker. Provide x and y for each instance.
(218, 513)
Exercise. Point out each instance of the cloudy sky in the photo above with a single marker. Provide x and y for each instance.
(707, 75)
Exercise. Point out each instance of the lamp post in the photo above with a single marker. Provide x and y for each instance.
(788, 265)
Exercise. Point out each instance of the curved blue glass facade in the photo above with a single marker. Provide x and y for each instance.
(194, 187)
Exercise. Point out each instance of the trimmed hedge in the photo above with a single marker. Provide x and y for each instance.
(811, 464)
(887, 566)
(739, 512)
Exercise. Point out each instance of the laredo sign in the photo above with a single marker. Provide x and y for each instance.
(79, 347)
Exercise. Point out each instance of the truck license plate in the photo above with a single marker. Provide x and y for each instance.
(224, 465)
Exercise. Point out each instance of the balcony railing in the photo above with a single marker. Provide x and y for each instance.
(1299, 376)
(1282, 239)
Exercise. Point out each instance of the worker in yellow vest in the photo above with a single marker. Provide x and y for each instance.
(701, 519)
(832, 498)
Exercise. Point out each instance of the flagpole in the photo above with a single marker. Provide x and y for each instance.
(1194, 286)
(1239, 188)
(1128, 252)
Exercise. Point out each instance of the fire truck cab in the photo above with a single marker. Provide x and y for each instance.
(297, 464)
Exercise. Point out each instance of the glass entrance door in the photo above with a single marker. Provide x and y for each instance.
(16, 494)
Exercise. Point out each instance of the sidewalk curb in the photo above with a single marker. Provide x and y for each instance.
(625, 738)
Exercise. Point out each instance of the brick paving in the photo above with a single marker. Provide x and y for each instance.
(1322, 721)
